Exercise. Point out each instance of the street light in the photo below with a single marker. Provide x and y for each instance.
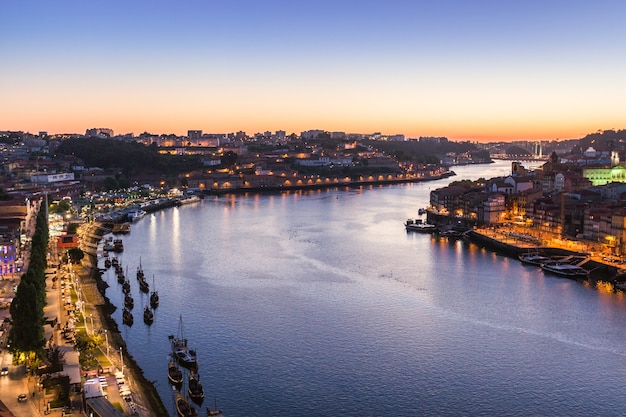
(122, 359)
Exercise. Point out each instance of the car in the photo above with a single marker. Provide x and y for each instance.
(22, 398)
(4, 371)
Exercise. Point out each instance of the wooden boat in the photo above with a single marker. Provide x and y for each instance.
(194, 387)
(183, 408)
(127, 317)
(140, 274)
(174, 374)
(148, 315)
(126, 287)
(118, 245)
(129, 303)
(211, 413)
(115, 261)
(107, 263)
(154, 296)
(143, 286)
(185, 356)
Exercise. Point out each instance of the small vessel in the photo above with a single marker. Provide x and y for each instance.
(115, 262)
(185, 356)
(417, 225)
(126, 287)
(140, 274)
(135, 215)
(143, 286)
(148, 315)
(188, 200)
(127, 317)
(211, 413)
(421, 211)
(118, 245)
(533, 258)
(107, 263)
(120, 228)
(194, 387)
(154, 296)
(183, 408)
(129, 303)
(565, 270)
(174, 374)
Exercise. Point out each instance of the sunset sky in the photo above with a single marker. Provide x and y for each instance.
(468, 70)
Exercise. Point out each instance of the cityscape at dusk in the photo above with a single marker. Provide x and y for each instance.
(479, 71)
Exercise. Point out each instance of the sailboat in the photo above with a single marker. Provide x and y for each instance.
(185, 356)
(194, 387)
(183, 408)
(148, 316)
(154, 296)
(140, 274)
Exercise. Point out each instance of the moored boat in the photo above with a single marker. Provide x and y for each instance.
(533, 258)
(417, 225)
(127, 317)
(148, 315)
(129, 302)
(185, 356)
(194, 387)
(143, 286)
(565, 270)
(174, 374)
(183, 408)
(154, 296)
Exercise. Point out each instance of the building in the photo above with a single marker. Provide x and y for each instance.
(99, 132)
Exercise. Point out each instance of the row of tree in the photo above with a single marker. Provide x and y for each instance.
(26, 334)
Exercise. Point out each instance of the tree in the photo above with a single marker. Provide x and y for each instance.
(76, 255)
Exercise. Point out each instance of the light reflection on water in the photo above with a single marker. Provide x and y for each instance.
(319, 303)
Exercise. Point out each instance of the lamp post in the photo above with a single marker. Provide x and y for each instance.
(106, 340)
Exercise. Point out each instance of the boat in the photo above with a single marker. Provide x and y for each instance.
(136, 214)
(148, 315)
(188, 200)
(417, 225)
(174, 374)
(127, 317)
(129, 303)
(211, 413)
(185, 356)
(126, 287)
(183, 408)
(118, 245)
(115, 261)
(194, 387)
(533, 258)
(154, 296)
(120, 228)
(107, 263)
(140, 274)
(421, 211)
(565, 270)
(143, 286)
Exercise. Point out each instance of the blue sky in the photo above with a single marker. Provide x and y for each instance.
(476, 70)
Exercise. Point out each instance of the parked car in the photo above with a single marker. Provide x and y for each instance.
(22, 398)
(4, 371)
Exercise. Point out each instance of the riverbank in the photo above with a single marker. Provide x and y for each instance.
(94, 291)
(599, 269)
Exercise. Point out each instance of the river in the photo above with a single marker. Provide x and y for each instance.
(319, 303)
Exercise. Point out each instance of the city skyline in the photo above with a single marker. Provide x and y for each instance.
(479, 71)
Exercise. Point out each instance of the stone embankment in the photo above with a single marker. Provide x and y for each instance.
(93, 287)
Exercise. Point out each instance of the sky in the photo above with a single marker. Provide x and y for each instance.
(467, 70)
